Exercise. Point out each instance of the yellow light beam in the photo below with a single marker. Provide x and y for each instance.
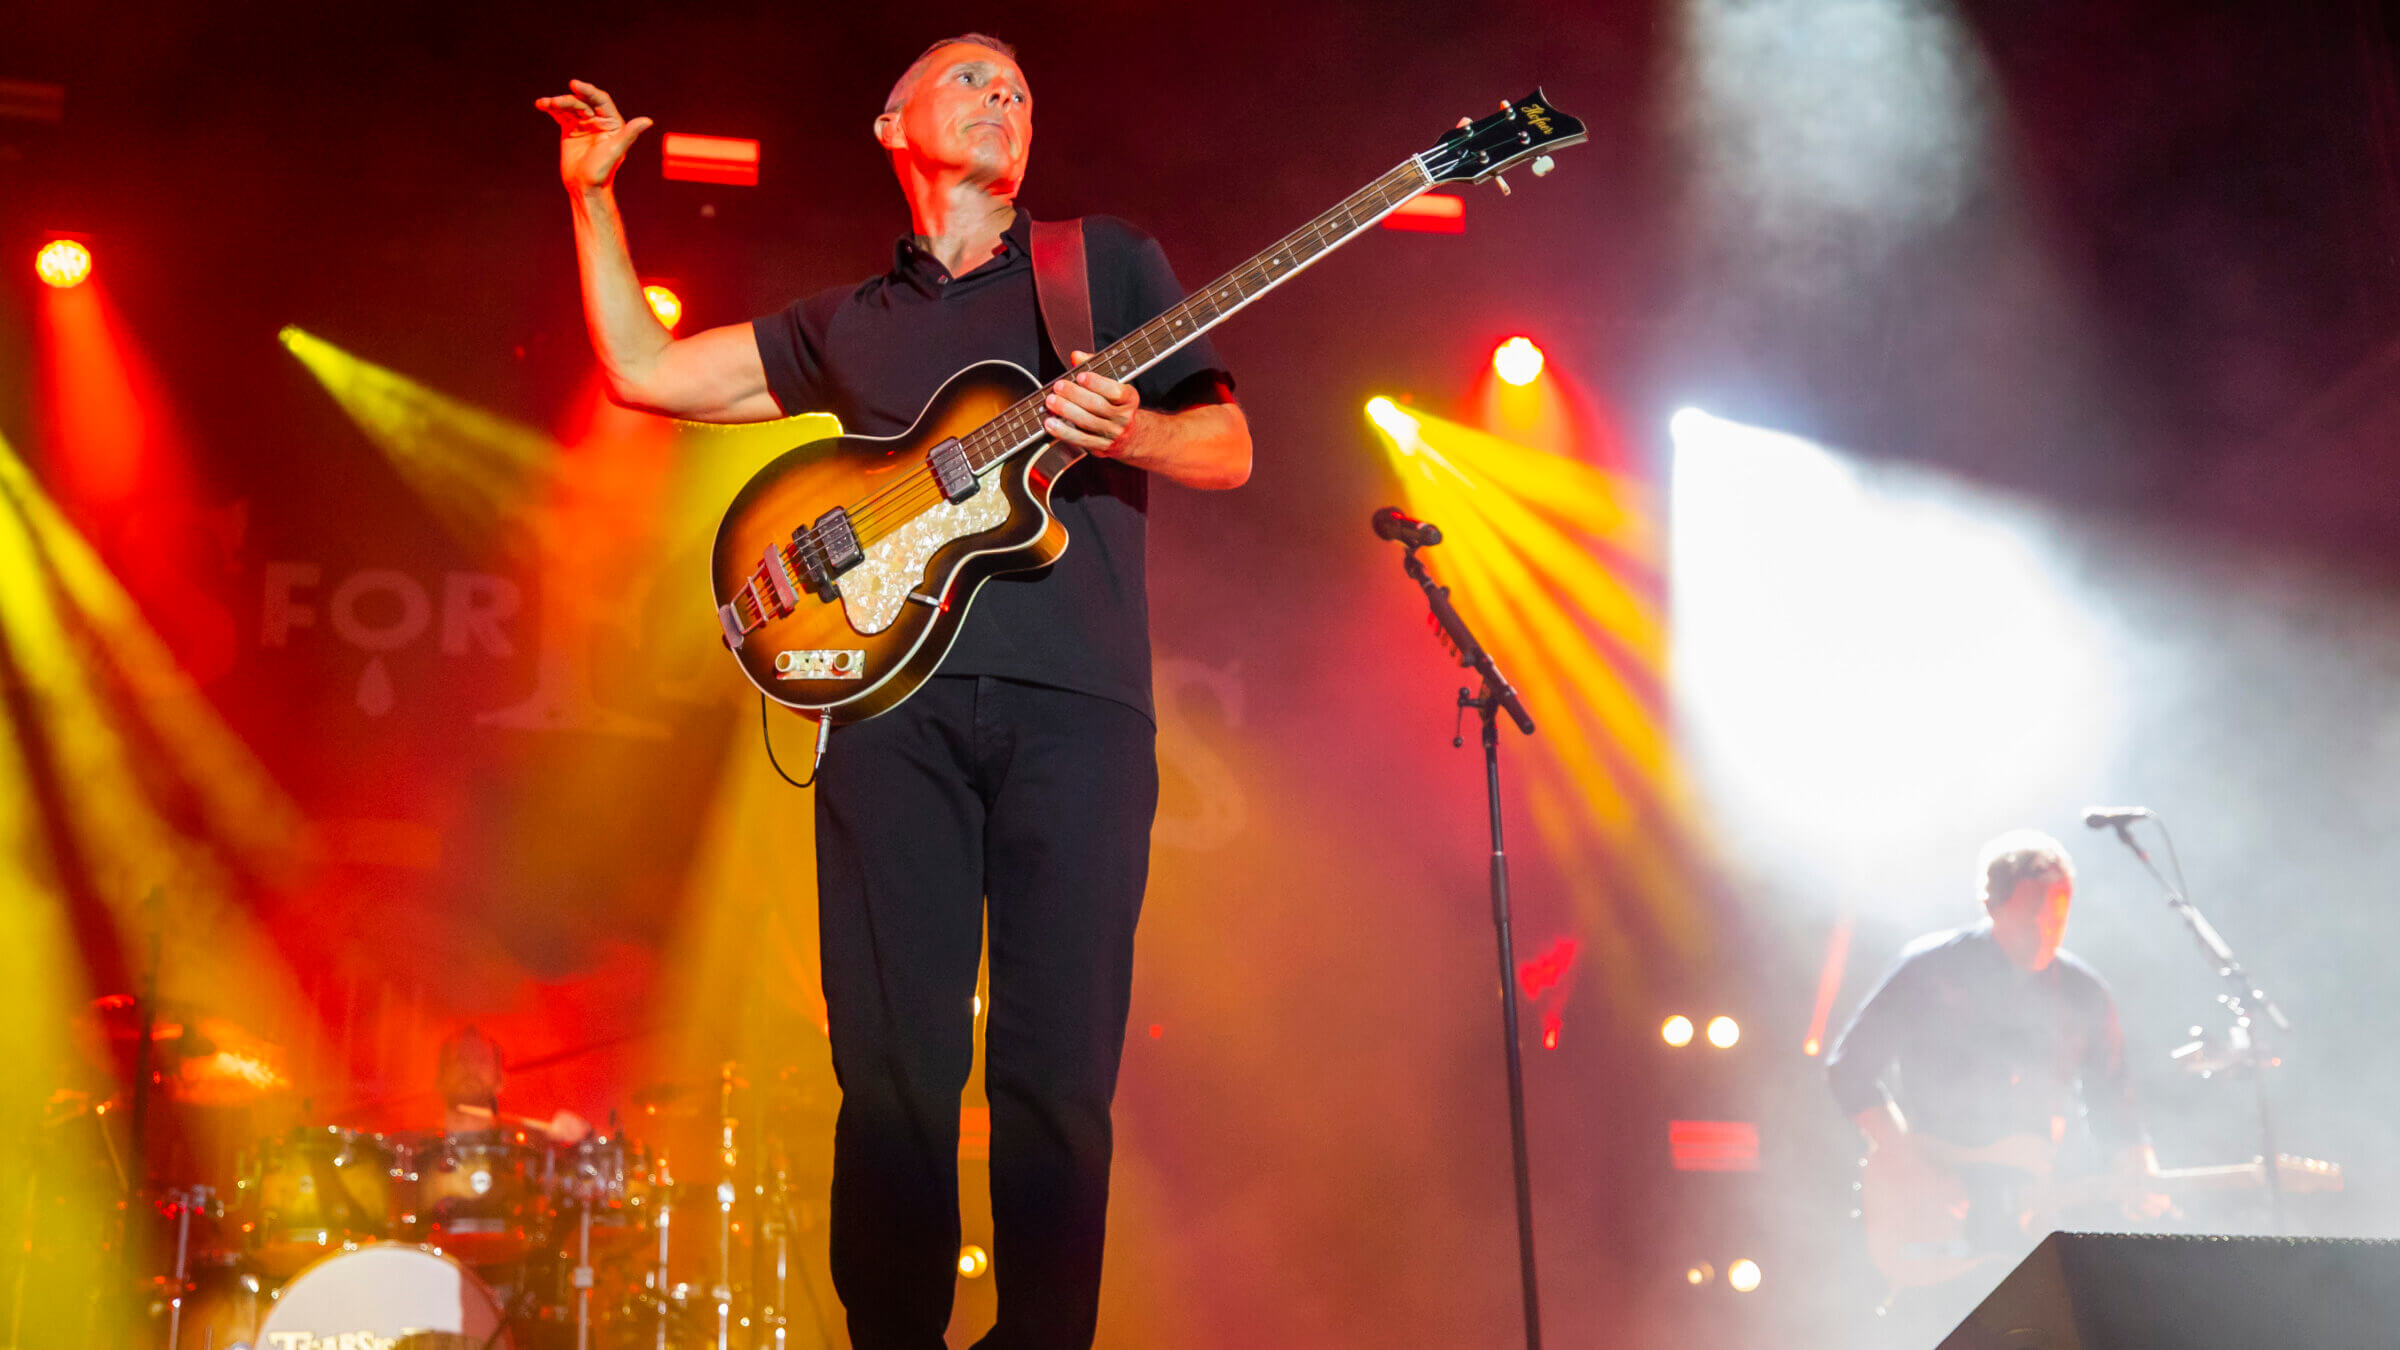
(1556, 563)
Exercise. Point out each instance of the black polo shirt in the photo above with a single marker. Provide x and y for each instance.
(873, 355)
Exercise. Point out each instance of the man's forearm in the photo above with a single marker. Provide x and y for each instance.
(1205, 447)
(626, 336)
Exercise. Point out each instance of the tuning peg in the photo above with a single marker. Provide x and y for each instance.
(1542, 165)
(1465, 122)
(1505, 105)
(1502, 180)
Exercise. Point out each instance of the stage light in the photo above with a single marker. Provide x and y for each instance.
(1517, 361)
(1430, 213)
(1395, 423)
(1743, 1275)
(973, 1261)
(1869, 654)
(1700, 1274)
(1676, 1031)
(1723, 1032)
(63, 263)
(1713, 1145)
(1810, 1047)
(666, 304)
(729, 160)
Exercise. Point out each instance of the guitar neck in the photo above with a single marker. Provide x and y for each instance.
(1211, 305)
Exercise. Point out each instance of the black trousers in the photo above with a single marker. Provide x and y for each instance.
(979, 798)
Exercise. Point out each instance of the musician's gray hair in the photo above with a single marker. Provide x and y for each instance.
(2018, 855)
(908, 77)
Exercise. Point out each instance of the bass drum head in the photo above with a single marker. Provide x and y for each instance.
(404, 1297)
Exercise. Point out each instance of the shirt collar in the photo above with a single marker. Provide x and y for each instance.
(919, 268)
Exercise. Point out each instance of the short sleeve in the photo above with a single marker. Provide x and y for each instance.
(1140, 285)
(791, 345)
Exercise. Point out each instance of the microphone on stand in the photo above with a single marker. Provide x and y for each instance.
(1391, 524)
(2106, 817)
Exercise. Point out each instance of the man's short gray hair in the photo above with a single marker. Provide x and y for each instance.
(908, 77)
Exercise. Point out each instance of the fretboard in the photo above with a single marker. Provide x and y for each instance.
(1205, 308)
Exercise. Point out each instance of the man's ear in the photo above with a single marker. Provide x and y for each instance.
(887, 131)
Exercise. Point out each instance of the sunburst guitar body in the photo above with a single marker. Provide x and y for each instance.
(845, 567)
(892, 615)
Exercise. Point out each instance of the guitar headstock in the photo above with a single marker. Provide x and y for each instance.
(1520, 131)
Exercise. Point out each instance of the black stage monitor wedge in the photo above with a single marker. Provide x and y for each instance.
(2114, 1291)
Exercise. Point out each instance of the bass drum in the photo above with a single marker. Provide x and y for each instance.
(385, 1294)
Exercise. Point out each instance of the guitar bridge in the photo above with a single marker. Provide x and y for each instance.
(951, 472)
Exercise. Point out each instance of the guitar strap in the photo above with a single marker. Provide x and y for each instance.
(1062, 285)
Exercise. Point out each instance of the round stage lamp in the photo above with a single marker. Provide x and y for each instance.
(666, 304)
(1676, 1031)
(1517, 361)
(973, 1261)
(1723, 1032)
(1743, 1275)
(63, 263)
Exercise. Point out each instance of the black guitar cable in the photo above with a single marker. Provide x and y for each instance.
(824, 731)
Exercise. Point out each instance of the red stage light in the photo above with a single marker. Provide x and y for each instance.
(666, 304)
(63, 263)
(1713, 1145)
(1430, 213)
(1517, 361)
(711, 159)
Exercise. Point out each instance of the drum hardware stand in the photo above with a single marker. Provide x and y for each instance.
(666, 1221)
(2244, 1001)
(581, 1278)
(1495, 695)
(728, 1155)
(136, 1167)
(181, 1203)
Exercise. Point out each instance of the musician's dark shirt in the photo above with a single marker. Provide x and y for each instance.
(875, 353)
(1974, 1049)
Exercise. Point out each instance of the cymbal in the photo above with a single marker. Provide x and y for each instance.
(200, 1058)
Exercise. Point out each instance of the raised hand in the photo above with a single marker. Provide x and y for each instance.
(593, 135)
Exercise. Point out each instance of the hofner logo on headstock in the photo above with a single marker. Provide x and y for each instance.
(1536, 114)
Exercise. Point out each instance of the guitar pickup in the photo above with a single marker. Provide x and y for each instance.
(951, 472)
(827, 549)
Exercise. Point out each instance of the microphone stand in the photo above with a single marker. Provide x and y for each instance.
(1495, 695)
(2244, 1000)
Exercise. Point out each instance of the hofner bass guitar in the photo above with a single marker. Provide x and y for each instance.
(843, 569)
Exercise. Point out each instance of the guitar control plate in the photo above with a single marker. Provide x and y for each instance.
(826, 663)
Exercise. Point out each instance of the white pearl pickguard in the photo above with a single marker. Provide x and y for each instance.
(875, 591)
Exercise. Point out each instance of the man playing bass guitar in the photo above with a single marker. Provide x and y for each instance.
(1017, 787)
(1966, 1069)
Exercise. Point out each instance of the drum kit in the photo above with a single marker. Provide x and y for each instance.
(331, 1238)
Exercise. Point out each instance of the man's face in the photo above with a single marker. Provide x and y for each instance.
(2031, 921)
(968, 110)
